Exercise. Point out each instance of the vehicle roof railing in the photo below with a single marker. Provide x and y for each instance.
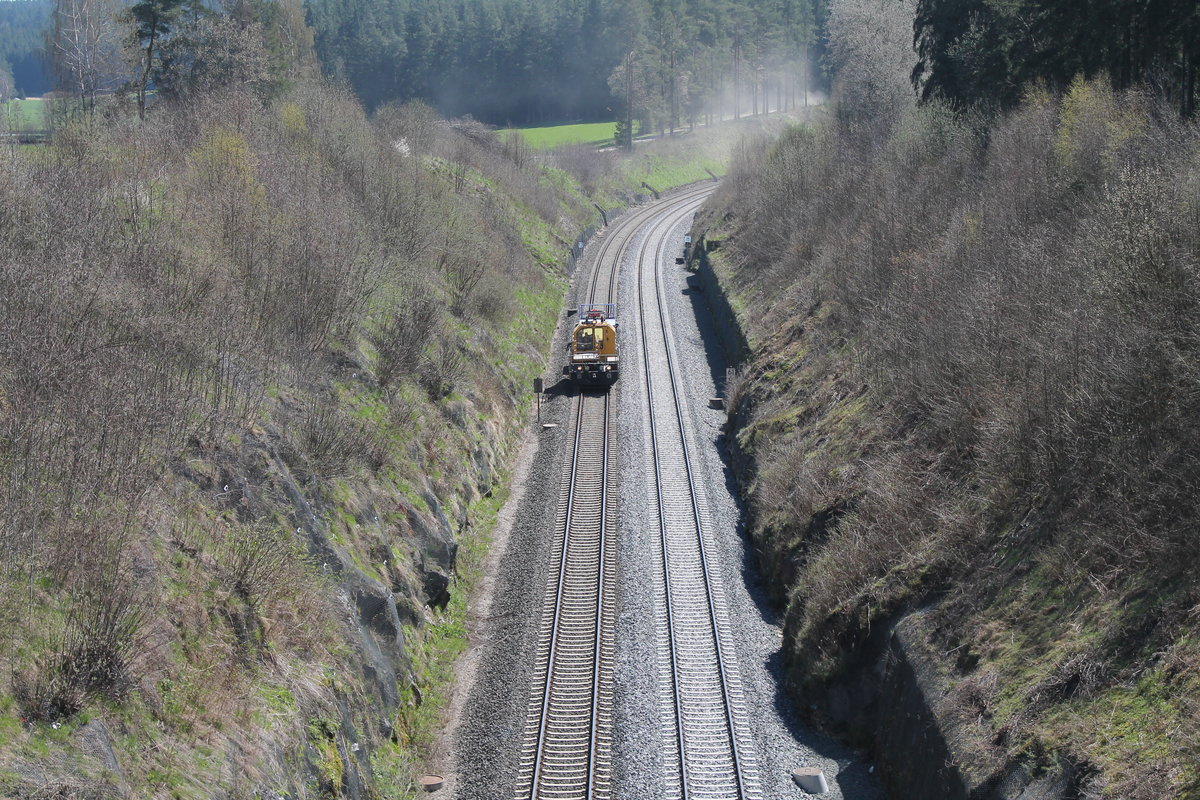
(603, 311)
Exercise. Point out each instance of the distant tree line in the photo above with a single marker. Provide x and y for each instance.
(527, 61)
(663, 63)
(22, 62)
(974, 51)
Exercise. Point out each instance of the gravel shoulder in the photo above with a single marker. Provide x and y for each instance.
(489, 722)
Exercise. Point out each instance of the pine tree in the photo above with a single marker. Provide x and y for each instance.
(153, 21)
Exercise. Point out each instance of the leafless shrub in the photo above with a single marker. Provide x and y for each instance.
(517, 150)
(1079, 675)
(478, 148)
(978, 693)
(333, 440)
(102, 644)
(1024, 305)
(458, 173)
(588, 165)
(90, 656)
(43, 693)
(445, 368)
(734, 388)
(171, 282)
(493, 302)
(260, 562)
(463, 272)
(413, 124)
(401, 341)
(216, 52)
(871, 43)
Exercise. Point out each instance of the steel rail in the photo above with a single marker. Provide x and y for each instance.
(625, 228)
(573, 482)
(665, 222)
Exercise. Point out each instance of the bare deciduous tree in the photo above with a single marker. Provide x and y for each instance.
(84, 45)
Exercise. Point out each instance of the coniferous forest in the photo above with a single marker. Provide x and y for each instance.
(22, 66)
(975, 51)
(533, 61)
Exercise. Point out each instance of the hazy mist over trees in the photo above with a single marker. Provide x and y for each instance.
(543, 60)
(502, 61)
(22, 27)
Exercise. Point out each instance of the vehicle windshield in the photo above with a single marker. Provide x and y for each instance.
(589, 338)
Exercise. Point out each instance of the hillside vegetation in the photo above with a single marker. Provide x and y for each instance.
(973, 392)
(257, 365)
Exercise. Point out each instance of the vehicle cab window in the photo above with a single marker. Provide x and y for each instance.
(589, 338)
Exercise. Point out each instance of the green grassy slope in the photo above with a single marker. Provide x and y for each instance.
(23, 115)
(594, 133)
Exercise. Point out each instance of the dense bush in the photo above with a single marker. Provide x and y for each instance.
(989, 337)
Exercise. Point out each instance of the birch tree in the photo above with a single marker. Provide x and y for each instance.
(84, 44)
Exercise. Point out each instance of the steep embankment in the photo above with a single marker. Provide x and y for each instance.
(967, 434)
(260, 374)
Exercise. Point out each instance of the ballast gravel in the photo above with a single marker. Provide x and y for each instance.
(491, 730)
(492, 727)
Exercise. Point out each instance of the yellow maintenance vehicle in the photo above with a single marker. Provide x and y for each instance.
(593, 359)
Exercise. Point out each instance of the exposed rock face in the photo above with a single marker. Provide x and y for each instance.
(381, 642)
(926, 744)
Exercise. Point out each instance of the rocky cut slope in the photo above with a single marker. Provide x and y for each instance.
(967, 435)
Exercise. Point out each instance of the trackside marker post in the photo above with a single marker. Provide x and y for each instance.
(811, 780)
(538, 386)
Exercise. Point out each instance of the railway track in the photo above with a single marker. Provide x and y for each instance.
(566, 747)
(566, 751)
(567, 734)
(614, 241)
(713, 753)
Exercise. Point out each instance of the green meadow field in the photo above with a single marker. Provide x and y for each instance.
(22, 115)
(597, 133)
